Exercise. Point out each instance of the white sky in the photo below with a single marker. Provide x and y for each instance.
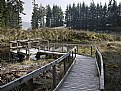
(63, 3)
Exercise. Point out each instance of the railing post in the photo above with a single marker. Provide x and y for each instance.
(26, 49)
(69, 60)
(62, 47)
(67, 48)
(75, 53)
(10, 58)
(48, 44)
(44, 47)
(72, 56)
(38, 48)
(91, 50)
(54, 76)
(64, 66)
(30, 85)
(17, 44)
(29, 46)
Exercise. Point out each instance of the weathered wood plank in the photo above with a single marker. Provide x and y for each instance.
(83, 76)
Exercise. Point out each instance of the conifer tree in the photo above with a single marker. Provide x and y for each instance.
(41, 16)
(48, 16)
(2, 9)
(35, 16)
(57, 16)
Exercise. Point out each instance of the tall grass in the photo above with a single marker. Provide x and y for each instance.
(56, 35)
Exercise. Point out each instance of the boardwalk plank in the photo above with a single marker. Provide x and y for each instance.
(83, 76)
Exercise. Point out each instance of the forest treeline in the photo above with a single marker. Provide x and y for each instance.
(47, 17)
(80, 16)
(76, 16)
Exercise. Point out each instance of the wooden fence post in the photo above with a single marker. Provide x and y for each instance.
(54, 77)
(29, 47)
(72, 56)
(48, 45)
(10, 55)
(64, 66)
(69, 60)
(17, 44)
(91, 50)
(26, 49)
(67, 48)
(62, 47)
(75, 53)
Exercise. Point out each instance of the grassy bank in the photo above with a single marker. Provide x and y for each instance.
(112, 61)
(57, 35)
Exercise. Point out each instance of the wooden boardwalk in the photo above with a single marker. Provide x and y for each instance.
(83, 76)
(81, 73)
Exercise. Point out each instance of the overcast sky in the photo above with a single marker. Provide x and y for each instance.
(63, 3)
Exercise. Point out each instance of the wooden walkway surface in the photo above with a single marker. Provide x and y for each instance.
(83, 76)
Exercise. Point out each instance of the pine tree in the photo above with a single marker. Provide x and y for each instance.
(119, 15)
(74, 16)
(35, 15)
(60, 17)
(12, 11)
(2, 9)
(68, 16)
(41, 16)
(112, 14)
(57, 16)
(103, 18)
(78, 16)
(83, 16)
(48, 16)
(92, 15)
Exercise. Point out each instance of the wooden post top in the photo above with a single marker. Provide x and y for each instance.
(13, 42)
(22, 41)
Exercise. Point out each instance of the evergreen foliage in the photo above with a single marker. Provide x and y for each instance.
(49, 17)
(57, 16)
(10, 11)
(81, 16)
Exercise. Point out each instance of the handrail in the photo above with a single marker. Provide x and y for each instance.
(37, 40)
(100, 66)
(37, 72)
(99, 61)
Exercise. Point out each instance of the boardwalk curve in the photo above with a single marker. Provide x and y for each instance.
(83, 76)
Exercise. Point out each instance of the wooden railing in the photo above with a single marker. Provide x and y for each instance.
(70, 56)
(99, 60)
(27, 44)
(100, 66)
